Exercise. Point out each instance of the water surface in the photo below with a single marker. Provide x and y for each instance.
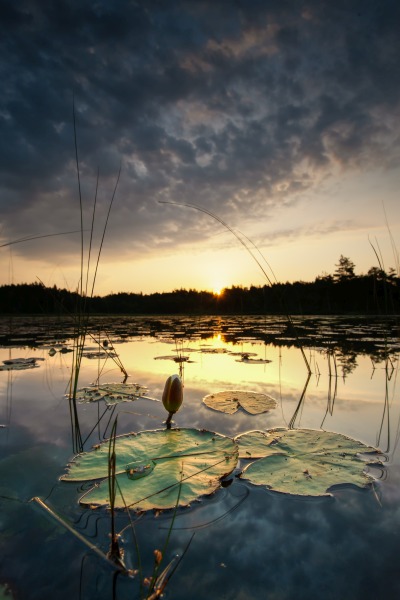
(249, 542)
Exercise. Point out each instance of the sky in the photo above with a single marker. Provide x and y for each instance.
(278, 120)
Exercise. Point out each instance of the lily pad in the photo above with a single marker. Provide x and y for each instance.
(304, 462)
(254, 361)
(19, 364)
(100, 355)
(153, 468)
(214, 350)
(177, 359)
(229, 402)
(112, 393)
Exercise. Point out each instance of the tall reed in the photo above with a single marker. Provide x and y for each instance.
(81, 317)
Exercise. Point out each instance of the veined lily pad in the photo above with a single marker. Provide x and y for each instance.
(112, 393)
(153, 466)
(230, 401)
(304, 462)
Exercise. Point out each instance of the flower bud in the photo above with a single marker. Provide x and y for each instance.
(172, 397)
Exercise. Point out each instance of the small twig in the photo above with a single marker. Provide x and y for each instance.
(80, 537)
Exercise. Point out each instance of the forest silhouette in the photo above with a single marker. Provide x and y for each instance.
(343, 292)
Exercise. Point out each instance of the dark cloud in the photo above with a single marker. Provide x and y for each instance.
(214, 103)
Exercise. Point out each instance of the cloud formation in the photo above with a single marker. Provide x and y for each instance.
(236, 107)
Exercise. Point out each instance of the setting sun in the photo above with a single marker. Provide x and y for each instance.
(217, 291)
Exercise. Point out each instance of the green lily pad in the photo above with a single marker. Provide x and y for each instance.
(154, 467)
(304, 462)
(229, 402)
(111, 393)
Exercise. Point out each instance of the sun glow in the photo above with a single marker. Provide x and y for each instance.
(217, 291)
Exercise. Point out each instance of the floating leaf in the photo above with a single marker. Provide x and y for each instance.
(19, 364)
(214, 350)
(304, 461)
(254, 361)
(230, 401)
(100, 354)
(177, 359)
(112, 393)
(170, 462)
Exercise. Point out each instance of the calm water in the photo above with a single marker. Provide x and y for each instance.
(249, 542)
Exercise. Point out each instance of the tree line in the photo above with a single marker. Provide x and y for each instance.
(343, 292)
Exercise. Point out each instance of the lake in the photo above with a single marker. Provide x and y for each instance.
(249, 541)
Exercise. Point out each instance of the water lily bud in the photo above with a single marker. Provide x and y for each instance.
(172, 397)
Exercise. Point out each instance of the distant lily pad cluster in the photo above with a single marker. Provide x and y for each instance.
(245, 357)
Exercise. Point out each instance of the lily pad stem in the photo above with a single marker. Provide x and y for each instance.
(169, 419)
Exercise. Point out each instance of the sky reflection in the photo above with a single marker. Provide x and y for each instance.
(249, 542)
